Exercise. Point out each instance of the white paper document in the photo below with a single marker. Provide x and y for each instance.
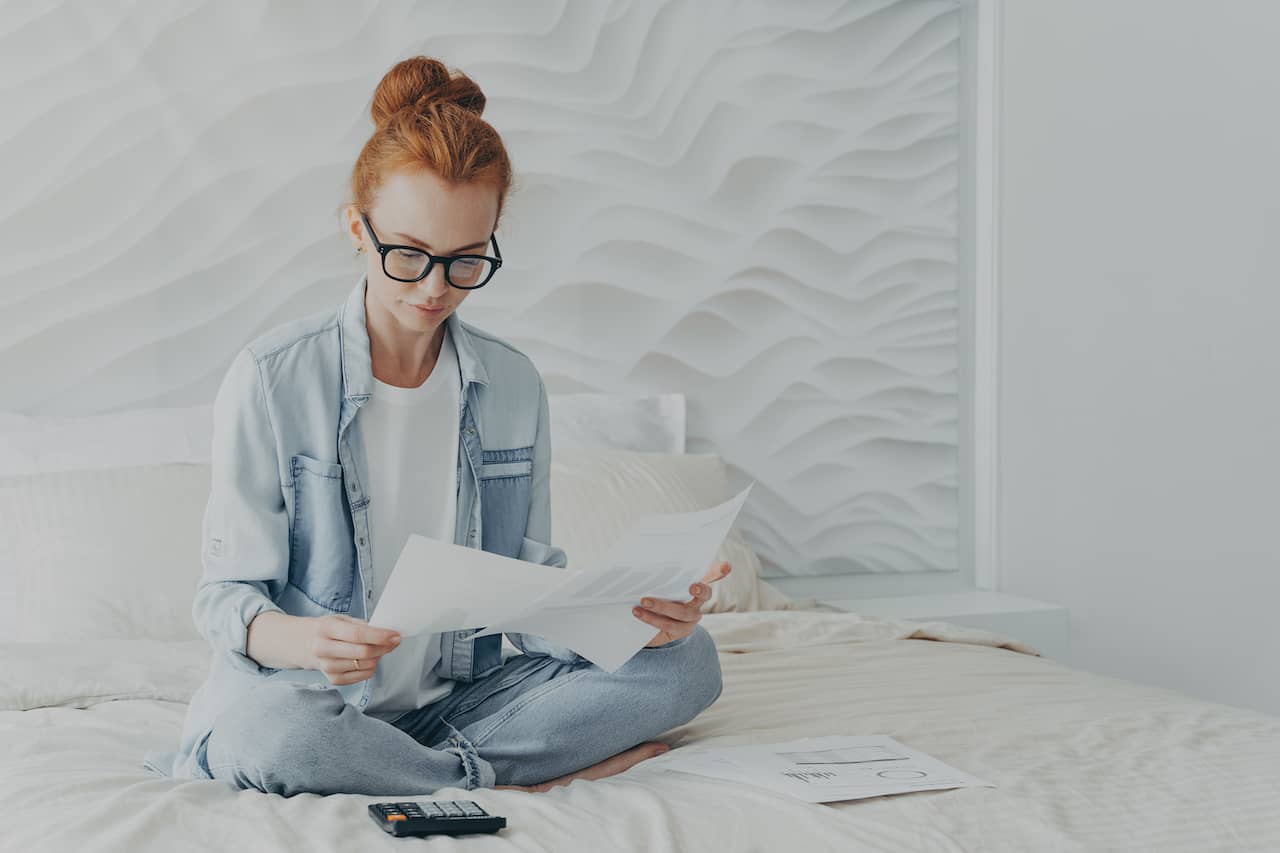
(438, 586)
(825, 769)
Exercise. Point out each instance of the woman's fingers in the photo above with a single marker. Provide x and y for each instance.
(347, 649)
(664, 623)
(686, 611)
(344, 678)
(352, 630)
(681, 611)
(337, 673)
(352, 651)
(717, 572)
(344, 638)
(700, 592)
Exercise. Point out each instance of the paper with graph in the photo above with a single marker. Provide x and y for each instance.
(824, 769)
(440, 586)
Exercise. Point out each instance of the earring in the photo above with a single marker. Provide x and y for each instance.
(359, 249)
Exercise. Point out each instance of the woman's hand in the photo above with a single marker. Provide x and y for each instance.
(676, 619)
(337, 641)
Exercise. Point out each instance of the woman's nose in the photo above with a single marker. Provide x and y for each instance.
(434, 285)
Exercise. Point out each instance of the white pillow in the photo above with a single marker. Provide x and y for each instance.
(114, 553)
(596, 494)
(36, 444)
(621, 421)
(101, 553)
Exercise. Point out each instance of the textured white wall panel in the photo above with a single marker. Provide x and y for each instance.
(754, 204)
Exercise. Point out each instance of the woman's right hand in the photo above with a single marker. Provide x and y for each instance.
(336, 641)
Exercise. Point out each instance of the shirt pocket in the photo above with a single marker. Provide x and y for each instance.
(322, 554)
(505, 480)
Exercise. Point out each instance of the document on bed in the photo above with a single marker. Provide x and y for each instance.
(824, 769)
(439, 586)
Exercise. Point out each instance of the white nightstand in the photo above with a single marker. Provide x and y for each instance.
(1044, 626)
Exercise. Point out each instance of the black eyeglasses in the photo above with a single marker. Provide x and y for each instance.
(409, 263)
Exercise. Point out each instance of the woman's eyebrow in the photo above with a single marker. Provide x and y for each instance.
(415, 241)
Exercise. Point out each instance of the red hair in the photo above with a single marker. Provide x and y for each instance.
(428, 118)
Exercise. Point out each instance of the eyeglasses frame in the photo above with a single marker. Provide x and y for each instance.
(447, 260)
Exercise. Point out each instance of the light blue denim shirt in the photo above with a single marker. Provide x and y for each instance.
(286, 526)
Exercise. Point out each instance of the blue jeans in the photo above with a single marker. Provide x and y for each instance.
(532, 720)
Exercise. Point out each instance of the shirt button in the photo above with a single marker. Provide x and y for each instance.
(471, 430)
(368, 593)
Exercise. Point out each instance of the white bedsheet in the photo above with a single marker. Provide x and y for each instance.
(1081, 762)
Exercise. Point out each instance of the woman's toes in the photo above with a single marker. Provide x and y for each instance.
(656, 747)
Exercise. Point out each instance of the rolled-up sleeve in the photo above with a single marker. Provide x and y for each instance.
(536, 546)
(245, 533)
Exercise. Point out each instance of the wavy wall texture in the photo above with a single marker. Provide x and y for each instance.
(751, 203)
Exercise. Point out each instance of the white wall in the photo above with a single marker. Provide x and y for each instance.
(753, 204)
(1140, 347)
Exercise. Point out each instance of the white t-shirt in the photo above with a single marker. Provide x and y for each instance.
(411, 441)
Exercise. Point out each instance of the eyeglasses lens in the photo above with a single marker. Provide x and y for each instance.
(408, 265)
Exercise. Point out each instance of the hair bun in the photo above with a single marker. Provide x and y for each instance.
(420, 82)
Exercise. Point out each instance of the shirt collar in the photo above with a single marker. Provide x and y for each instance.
(357, 365)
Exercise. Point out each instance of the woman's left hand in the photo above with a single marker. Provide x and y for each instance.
(676, 619)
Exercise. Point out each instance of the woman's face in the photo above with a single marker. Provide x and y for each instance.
(420, 209)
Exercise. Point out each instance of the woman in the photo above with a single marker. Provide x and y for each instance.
(338, 435)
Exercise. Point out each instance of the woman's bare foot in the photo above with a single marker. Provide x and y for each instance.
(609, 767)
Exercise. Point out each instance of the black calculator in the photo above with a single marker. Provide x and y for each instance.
(434, 817)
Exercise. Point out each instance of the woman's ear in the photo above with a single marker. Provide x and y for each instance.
(353, 227)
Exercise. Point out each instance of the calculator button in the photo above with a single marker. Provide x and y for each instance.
(397, 817)
(453, 810)
(472, 809)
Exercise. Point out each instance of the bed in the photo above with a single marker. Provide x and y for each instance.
(1080, 762)
(98, 661)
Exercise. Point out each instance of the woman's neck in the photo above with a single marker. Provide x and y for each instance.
(406, 363)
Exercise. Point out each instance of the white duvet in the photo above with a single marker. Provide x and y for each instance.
(1081, 762)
